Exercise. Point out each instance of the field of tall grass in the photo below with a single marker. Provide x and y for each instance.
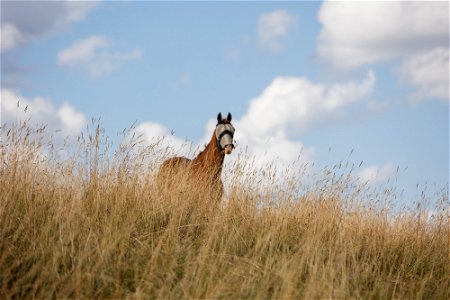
(88, 221)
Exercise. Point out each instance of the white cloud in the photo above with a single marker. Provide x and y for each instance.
(82, 51)
(76, 10)
(65, 119)
(25, 20)
(291, 105)
(94, 56)
(359, 33)
(72, 120)
(429, 71)
(11, 36)
(164, 141)
(373, 175)
(272, 27)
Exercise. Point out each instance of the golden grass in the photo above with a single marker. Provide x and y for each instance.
(91, 226)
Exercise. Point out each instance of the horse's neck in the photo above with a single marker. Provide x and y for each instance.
(211, 159)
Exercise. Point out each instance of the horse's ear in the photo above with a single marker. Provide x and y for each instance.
(219, 118)
(229, 117)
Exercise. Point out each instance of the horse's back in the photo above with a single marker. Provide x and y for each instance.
(172, 167)
(174, 164)
(178, 171)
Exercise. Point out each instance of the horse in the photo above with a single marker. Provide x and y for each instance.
(204, 171)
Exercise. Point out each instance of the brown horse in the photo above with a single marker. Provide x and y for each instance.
(204, 170)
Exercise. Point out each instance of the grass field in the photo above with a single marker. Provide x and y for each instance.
(90, 223)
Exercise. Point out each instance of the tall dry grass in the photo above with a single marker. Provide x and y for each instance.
(90, 223)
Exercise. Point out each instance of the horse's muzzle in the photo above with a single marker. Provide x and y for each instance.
(228, 148)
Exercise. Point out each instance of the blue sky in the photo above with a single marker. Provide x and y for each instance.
(297, 77)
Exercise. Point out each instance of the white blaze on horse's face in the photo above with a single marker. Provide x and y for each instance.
(224, 136)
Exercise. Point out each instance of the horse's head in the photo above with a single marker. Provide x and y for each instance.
(224, 133)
